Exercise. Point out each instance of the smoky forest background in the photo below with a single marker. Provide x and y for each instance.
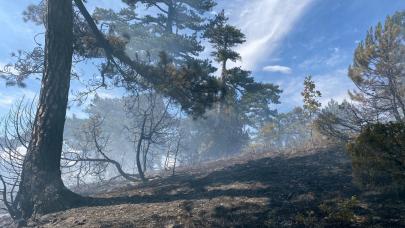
(184, 122)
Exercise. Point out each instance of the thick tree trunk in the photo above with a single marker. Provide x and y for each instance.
(42, 190)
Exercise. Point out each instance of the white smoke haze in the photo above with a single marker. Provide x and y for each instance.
(265, 23)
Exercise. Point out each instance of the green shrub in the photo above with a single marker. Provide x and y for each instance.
(378, 157)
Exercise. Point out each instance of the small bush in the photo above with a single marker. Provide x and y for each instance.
(332, 213)
(308, 219)
(378, 157)
(341, 212)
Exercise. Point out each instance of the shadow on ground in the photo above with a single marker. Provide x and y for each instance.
(300, 191)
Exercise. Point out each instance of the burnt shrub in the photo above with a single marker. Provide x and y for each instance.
(378, 157)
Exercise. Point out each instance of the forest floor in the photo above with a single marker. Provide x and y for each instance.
(307, 189)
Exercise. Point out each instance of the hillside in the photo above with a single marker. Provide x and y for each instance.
(305, 189)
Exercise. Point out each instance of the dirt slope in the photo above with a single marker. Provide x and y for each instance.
(311, 190)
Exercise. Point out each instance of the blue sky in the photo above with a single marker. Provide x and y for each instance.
(287, 40)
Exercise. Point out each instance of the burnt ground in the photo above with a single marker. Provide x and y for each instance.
(312, 189)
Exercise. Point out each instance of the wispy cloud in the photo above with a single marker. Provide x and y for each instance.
(334, 85)
(335, 58)
(6, 101)
(278, 69)
(265, 23)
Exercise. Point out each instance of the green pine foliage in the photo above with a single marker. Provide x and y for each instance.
(310, 96)
(245, 103)
(170, 26)
(224, 38)
(377, 70)
(378, 157)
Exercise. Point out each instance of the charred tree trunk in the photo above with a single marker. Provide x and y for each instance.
(139, 148)
(145, 156)
(138, 162)
(42, 190)
(175, 156)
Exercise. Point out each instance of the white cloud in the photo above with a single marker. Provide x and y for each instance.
(265, 23)
(278, 69)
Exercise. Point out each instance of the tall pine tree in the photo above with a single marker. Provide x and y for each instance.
(245, 103)
(378, 71)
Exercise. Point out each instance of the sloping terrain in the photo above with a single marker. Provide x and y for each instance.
(304, 190)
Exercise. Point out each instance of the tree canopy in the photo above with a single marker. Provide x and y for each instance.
(378, 70)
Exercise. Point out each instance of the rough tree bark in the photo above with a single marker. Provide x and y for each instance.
(41, 189)
(139, 148)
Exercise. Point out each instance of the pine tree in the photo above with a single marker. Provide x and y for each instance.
(41, 189)
(310, 97)
(245, 103)
(378, 70)
(239, 88)
(224, 38)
